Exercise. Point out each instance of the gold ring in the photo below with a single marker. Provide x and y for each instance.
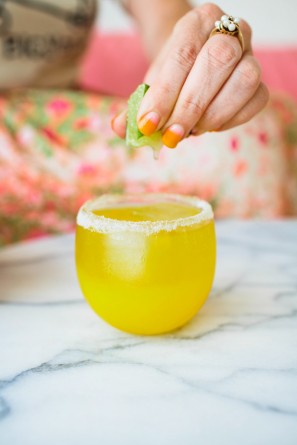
(228, 25)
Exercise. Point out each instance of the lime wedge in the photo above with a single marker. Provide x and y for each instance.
(134, 138)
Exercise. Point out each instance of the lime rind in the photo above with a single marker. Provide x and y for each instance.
(87, 219)
(134, 137)
(133, 133)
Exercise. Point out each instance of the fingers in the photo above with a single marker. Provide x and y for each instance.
(189, 36)
(118, 124)
(176, 103)
(197, 82)
(235, 93)
(239, 117)
(255, 104)
(215, 63)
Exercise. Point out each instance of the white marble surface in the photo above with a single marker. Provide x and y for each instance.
(229, 377)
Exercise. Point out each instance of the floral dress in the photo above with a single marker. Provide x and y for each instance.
(57, 150)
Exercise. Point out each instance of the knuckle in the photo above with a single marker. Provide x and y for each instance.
(210, 10)
(180, 25)
(250, 72)
(192, 106)
(164, 90)
(185, 56)
(157, 95)
(186, 30)
(221, 52)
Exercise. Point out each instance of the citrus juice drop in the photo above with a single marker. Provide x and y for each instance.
(145, 263)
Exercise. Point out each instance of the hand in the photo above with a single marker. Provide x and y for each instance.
(200, 84)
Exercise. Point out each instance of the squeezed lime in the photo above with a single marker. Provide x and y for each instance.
(134, 137)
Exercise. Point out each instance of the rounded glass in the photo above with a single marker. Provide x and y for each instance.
(145, 263)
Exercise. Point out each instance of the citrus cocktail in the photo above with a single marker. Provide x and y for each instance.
(145, 263)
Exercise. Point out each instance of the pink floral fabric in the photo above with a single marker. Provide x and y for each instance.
(57, 150)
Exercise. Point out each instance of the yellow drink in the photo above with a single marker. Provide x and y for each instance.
(145, 263)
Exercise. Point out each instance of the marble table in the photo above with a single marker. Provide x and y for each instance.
(229, 377)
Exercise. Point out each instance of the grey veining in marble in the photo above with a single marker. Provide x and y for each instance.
(229, 377)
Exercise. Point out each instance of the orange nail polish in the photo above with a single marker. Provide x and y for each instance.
(173, 135)
(149, 123)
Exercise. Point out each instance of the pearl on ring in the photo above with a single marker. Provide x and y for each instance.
(228, 25)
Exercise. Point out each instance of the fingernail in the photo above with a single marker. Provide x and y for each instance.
(173, 135)
(149, 123)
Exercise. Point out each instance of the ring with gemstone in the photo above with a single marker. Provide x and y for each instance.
(228, 25)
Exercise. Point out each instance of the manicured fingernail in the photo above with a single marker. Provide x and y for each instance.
(149, 123)
(173, 135)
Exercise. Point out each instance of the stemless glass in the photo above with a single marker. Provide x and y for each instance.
(146, 262)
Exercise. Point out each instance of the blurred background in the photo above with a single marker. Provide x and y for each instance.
(273, 22)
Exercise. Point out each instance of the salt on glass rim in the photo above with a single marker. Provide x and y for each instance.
(97, 223)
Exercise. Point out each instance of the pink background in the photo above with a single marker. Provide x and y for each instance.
(115, 64)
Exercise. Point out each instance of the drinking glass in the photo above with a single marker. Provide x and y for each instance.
(146, 262)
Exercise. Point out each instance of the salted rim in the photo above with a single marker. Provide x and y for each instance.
(97, 223)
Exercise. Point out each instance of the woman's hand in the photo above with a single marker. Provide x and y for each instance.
(200, 84)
